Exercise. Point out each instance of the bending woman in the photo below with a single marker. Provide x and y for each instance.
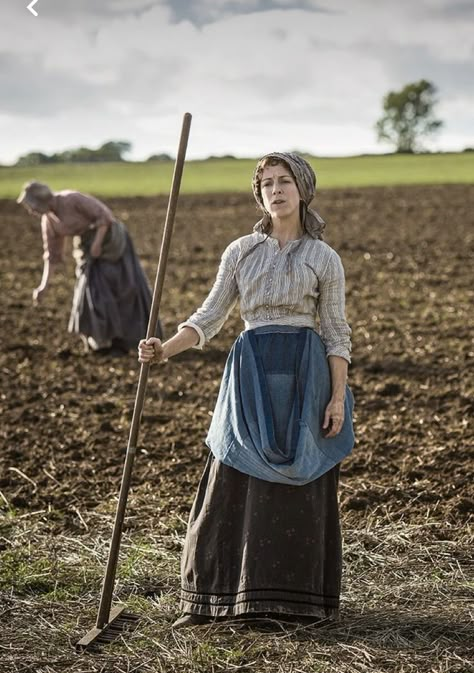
(112, 298)
(263, 534)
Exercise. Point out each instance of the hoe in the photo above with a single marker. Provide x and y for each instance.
(111, 622)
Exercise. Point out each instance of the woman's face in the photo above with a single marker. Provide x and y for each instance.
(280, 194)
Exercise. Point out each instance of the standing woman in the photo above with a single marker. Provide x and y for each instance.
(263, 534)
(112, 298)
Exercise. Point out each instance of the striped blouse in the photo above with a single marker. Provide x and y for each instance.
(301, 284)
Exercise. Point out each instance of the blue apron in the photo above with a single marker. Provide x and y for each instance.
(269, 413)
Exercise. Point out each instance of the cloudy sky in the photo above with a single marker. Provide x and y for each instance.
(257, 75)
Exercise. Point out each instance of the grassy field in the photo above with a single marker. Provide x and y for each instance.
(232, 175)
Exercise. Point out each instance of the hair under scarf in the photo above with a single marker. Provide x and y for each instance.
(305, 179)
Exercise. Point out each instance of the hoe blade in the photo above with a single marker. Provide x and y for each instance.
(119, 621)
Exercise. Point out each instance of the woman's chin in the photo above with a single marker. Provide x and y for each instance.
(281, 213)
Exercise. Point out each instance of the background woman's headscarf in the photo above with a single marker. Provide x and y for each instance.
(35, 194)
(305, 179)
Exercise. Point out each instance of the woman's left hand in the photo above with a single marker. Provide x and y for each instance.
(333, 418)
(96, 249)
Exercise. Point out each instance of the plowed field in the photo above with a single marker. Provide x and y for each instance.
(408, 259)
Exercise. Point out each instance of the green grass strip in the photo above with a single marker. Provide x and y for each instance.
(234, 175)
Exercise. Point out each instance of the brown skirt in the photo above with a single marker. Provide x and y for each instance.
(254, 546)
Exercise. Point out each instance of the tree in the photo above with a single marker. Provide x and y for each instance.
(34, 159)
(160, 157)
(409, 116)
(110, 151)
(113, 150)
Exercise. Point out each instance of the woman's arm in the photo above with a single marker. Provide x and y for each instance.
(334, 414)
(53, 246)
(152, 350)
(39, 292)
(99, 217)
(102, 225)
(205, 322)
(209, 318)
(335, 333)
(338, 368)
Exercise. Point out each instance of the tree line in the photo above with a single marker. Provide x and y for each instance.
(113, 150)
(408, 120)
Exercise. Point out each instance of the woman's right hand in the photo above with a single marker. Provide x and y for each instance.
(38, 295)
(150, 351)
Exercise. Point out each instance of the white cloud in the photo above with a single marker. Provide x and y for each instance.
(254, 73)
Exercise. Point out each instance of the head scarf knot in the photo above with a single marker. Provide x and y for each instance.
(305, 179)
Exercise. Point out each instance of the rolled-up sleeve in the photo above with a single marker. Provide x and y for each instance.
(53, 242)
(335, 331)
(209, 318)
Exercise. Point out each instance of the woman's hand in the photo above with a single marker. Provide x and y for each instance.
(150, 351)
(38, 295)
(333, 418)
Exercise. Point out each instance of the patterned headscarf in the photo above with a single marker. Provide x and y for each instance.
(305, 179)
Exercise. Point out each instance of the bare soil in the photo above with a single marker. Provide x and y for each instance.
(408, 259)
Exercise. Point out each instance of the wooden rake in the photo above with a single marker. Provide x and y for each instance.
(111, 622)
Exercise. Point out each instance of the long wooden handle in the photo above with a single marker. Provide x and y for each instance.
(109, 578)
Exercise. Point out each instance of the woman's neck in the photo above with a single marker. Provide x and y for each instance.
(286, 230)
